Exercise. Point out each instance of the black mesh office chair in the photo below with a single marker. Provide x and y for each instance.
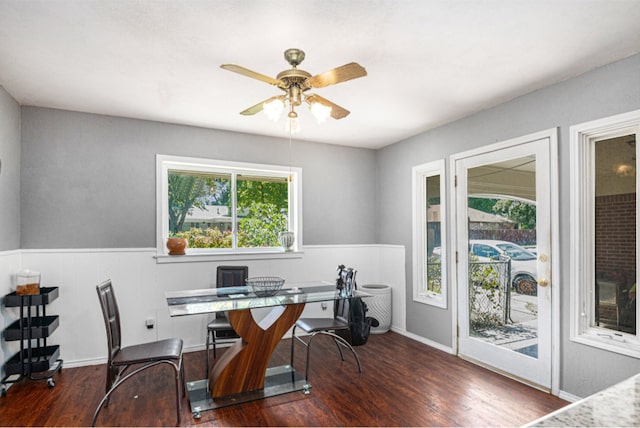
(119, 358)
(219, 327)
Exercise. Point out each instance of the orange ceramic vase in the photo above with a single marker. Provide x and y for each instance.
(177, 246)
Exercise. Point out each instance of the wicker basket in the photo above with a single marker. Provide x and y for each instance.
(265, 286)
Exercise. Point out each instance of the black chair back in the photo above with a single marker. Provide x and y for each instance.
(231, 276)
(341, 310)
(111, 315)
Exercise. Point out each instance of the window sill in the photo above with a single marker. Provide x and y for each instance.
(198, 258)
(431, 300)
(611, 342)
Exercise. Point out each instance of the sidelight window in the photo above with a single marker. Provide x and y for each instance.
(429, 234)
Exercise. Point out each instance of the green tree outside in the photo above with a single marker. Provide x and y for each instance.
(185, 192)
(262, 225)
(521, 212)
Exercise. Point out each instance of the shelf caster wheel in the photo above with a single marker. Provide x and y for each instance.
(306, 389)
(3, 391)
(197, 415)
(50, 383)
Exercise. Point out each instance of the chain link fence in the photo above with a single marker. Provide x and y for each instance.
(489, 297)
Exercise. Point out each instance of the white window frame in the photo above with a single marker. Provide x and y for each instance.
(419, 196)
(582, 157)
(165, 163)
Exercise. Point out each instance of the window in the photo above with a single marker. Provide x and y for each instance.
(429, 234)
(482, 250)
(604, 233)
(226, 207)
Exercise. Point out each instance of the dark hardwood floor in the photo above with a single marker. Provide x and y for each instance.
(404, 383)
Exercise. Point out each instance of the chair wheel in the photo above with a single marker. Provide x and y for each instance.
(3, 391)
(197, 415)
(50, 383)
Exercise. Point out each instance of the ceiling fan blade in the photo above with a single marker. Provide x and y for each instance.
(337, 112)
(258, 107)
(346, 72)
(250, 73)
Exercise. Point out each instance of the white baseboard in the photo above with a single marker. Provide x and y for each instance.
(84, 362)
(421, 339)
(568, 397)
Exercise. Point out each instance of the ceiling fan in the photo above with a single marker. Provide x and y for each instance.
(295, 83)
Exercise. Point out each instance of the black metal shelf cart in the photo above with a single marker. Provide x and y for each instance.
(36, 359)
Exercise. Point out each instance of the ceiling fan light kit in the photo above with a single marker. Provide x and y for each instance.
(295, 82)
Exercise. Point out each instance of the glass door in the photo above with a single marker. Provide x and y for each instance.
(504, 253)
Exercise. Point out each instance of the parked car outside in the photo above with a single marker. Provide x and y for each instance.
(523, 261)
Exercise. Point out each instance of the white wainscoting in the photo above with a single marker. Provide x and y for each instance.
(140, 284)
(10, 263)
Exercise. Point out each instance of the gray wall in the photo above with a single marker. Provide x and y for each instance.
(604, 92)
(88, 181)
(9, 172)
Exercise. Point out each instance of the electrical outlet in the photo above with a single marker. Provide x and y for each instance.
(323, 305)
(150, 323)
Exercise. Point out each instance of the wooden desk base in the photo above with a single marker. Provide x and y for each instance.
(243, 366)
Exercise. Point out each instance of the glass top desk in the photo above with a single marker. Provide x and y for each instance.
(241, 373)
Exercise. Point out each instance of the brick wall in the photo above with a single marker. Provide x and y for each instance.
(616, 237)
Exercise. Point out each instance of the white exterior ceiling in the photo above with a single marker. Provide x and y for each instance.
(429, 62)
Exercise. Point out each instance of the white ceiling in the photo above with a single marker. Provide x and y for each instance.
(429, 62)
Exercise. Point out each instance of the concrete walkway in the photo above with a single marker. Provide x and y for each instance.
(521, 334)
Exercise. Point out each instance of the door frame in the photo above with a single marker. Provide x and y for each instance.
(552, 135)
